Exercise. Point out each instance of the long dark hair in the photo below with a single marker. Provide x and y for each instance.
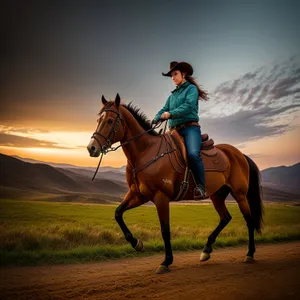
(203, 95)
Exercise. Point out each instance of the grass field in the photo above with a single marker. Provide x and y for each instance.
(48, 233)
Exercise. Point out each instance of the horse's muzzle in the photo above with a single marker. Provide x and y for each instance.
(93, 150)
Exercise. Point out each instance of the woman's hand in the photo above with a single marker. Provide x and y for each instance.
(166, 115)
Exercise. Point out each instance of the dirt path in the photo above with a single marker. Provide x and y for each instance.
(275, 275)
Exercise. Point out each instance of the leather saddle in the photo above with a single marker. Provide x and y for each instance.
(214, 159)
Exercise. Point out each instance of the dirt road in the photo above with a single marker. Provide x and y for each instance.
(275, 275)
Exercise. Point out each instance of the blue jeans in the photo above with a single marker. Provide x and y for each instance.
(192, 139)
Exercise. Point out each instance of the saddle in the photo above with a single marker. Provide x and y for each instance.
(214, 159)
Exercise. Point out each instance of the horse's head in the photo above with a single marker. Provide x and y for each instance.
(110, 128)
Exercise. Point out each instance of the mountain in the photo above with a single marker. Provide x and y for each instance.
(272, 194)
(23, 179)
(282, 178)
(20, 179)
(69, 166)
(110, 175)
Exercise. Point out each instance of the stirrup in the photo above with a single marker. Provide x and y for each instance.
(201, 195)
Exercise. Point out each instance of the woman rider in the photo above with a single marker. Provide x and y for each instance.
(181, 108)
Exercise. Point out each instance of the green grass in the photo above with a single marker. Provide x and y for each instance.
(48, 233)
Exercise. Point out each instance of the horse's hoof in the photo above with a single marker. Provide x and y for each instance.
(204, 256)
(139, 246)
(162, 269)
(249, 259)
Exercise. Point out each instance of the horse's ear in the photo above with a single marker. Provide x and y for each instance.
(104, 101)
(117, 100)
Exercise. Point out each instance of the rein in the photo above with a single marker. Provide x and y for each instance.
(109, 139)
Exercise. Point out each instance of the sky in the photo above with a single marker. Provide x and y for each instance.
(60, 57)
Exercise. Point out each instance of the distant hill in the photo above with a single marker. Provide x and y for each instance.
(283, 178)
(66, 182)
(19, 178)
(272, 194)
(68, 166)
(109, 175)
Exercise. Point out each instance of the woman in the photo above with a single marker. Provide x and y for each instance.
(181, 108)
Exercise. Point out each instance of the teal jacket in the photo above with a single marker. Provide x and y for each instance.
(182, 104)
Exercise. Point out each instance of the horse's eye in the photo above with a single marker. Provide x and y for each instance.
(109, 121)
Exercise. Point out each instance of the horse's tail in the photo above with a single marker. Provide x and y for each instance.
(254, 195)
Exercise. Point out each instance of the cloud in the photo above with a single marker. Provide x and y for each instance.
(22, 130)
(243, 126)
(36, 138)
(284, 92)
(242, 91)
(12, 140)
(262, 95)
(228, 87)
(258, 155)
(249, 76)
(266, 84)
(258, 104)
(252, 93)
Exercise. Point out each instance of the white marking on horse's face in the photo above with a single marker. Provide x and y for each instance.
(167, 181)
(102, 116)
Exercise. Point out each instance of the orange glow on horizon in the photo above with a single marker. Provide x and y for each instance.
(266, 152)
(77, 157)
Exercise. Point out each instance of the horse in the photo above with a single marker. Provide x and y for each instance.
(153, 175)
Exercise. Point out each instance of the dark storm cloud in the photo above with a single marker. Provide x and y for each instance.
(12, 140)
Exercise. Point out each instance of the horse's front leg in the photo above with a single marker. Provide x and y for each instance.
(130, 201)
(162, 205)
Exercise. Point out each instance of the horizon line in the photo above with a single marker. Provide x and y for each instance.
(58, 163)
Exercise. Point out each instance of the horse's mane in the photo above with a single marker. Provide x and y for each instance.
(141, 117)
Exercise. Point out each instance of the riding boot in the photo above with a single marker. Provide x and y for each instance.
(199, 193)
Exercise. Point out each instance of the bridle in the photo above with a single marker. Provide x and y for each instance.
(108, 140)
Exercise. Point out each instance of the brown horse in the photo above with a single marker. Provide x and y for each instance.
(153, 175)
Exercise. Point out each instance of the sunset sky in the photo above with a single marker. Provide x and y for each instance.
(61, 56)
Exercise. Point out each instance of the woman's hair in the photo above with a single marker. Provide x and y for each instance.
(203, 95)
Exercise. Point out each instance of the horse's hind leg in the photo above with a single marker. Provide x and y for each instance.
(130, 201)
(244, 207)
(218, 200)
